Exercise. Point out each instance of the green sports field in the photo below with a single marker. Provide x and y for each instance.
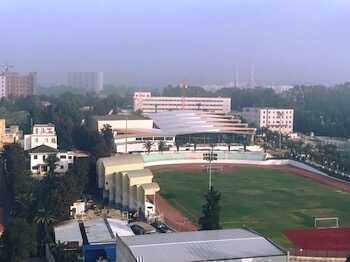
(266, 200)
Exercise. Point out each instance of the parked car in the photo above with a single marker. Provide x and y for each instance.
(141, 228)
(161, 227)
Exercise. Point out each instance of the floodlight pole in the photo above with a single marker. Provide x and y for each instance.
(210, 159)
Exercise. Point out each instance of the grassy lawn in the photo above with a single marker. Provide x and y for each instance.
(266, 200)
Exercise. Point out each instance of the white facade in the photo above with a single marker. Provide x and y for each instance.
(145, 102)
(91, 81)
(2, 86)
(124, 122)
(136, 143)
(42, 134)
(275, 119)
(38, 165)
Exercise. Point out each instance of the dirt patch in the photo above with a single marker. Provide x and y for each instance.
(173, 217)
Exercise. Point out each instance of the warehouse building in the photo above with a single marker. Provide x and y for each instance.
(215, 245)
(126, 184)
(95, 237)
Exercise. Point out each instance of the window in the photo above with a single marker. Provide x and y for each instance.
(62, 167)
(63, 156)
(35, 156)
(70, 157)
(53, 140)
(36, 140)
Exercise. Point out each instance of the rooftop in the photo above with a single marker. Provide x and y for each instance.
(97, 230)
(201, 246)
(122, 117)
(121, 159)
(43, 149)
(190, 122)
(104, 230)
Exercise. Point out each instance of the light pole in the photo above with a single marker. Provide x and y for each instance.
(211, 156)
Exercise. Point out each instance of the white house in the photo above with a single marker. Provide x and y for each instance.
(38, 156)
(42, 134)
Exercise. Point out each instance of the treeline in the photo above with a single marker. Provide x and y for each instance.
(318, 109)
(32, 206)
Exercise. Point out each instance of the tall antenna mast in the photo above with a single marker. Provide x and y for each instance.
(236, 76)
(252, 76)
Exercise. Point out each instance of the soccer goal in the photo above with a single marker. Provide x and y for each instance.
(326, 222)
(215, 169)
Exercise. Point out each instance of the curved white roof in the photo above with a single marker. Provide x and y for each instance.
(189, 122)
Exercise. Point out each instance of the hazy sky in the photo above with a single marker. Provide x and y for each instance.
(157, 42)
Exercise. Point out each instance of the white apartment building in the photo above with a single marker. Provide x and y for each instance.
(38, 156)
(42, 134)
(275, 119)
(90, 81)
(2, 86)
(145, 102)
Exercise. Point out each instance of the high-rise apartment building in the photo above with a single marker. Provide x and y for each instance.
(16, 85)
(145, 102)
(89, 81)
(275, 119)
(2, 86)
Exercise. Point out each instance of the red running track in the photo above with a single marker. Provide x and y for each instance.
(330, 239)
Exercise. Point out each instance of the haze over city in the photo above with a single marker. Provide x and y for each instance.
(157, 42)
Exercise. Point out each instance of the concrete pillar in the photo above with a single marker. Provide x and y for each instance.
(141, 199)
(133, 197)
(118, 190)
(125, 192)
(111, 183)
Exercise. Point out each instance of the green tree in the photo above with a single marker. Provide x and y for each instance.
(161, 146)
(51, 162)
(210, 219)
(18, 240)
(107, 134)
(148, 145)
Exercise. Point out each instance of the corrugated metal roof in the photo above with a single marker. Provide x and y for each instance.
(68, 231)
(191, 122)
(201, 246)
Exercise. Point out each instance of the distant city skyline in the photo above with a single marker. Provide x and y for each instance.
(156, 43)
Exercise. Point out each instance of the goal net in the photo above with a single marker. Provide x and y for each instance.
(215, 169)
(326, 222)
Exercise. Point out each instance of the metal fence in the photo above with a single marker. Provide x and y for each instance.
(318, 253)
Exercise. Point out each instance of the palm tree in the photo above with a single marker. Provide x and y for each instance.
(245, 142)
(229, 144)
(148, 145)
(51, 162)
(161, 146)
(177, 144)
(44, 219)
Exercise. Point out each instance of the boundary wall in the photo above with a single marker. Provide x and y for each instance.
(161, 159)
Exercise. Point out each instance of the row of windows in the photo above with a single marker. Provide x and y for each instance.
(53, 140)
(60, 157)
